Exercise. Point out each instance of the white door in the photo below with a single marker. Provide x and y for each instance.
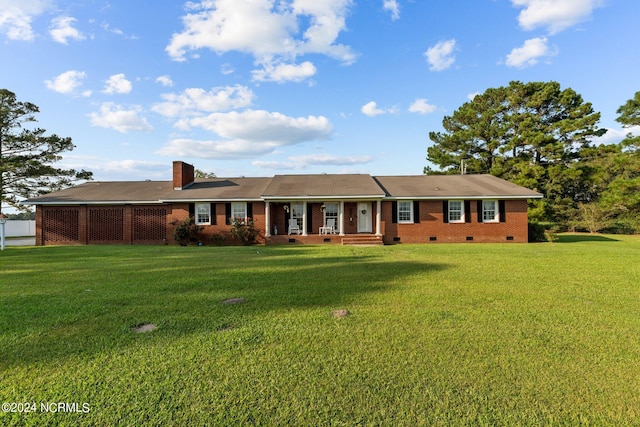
(364, 217)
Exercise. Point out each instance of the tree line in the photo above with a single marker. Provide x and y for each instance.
(541, 136)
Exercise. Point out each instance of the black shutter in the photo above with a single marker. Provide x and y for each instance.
(479, 208)
(227, 213)
(309, 222)
(192, 210)
(394, 212)
(503, 211)
(416, 212)
(249, 210)
(445, 211)
(467, 211)
(213, 214)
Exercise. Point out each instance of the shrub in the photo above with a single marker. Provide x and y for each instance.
(218, 239)
(542, 232)
(185, 231)
(244, 230)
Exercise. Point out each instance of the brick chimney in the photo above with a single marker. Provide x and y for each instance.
(183, 175)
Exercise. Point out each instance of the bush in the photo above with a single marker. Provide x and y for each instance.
(185, 231)
(218, 239)
(542, 232)
(244, 230)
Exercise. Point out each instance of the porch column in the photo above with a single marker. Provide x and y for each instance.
(378, 217)
(304, 218)
(341, 217)
(267, 219)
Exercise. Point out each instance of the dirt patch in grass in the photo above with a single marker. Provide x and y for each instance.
(233, 301)
(340, 314)
(145, 327)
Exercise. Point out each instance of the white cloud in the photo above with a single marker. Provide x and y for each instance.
(62, 30)
(371, 109)
(249, 133)
(302, 162)
(614, 136)
(260, 125)
(112, 116)
(284, 72)
(421, 106)
(393, 7)
(165, 81)
(67, 82)
(196, 101)
(272, 34)
(227, 69)
(16, 17)
(117, 31)
(471, 96)
(440, 57)
(105, 169)
(216, 149)
(530, 53)
(555, 15)
(117, 83)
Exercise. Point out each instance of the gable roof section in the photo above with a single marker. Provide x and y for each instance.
(323, 186)
(453, 187)
(220, 189)
(107, 192)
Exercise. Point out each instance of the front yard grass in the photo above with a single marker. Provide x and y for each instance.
(444, 334)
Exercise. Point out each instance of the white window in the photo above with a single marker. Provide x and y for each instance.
(239, 211)
(456, 211)
(405, 212)
(203, 213)
(331, 212)
(297, 211)
(490, 211)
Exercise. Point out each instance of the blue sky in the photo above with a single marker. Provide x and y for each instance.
(264, 87)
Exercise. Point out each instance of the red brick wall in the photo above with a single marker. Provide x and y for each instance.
(183, 174)
(432, 225)
(117, 224)
(180, 211)
(64, 225)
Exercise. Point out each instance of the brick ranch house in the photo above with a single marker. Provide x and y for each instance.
(342, 208)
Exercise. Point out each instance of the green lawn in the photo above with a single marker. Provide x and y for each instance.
(460, 334)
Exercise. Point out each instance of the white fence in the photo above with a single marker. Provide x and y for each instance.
(18, 228)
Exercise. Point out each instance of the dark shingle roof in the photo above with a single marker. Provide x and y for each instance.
(285, 187)
(452, 186)
(325, 185)
(221, 189)
(108, 192)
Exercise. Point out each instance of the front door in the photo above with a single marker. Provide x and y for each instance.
(364, 217)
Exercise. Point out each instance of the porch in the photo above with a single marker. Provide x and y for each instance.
(308, 220)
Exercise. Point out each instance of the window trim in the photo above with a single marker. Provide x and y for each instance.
(299, 217)
(207, 206)
(410, 211)
(461, 210)
(233, 209)
(496, 211)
